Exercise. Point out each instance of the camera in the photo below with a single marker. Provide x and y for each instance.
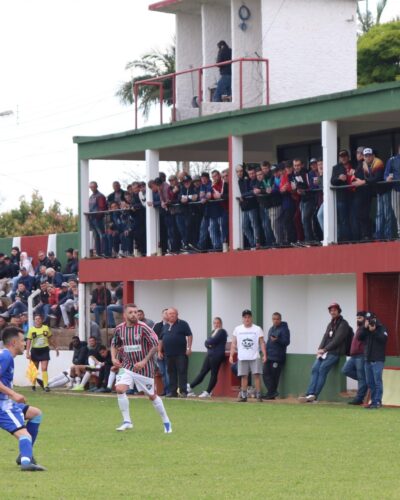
(371, 318)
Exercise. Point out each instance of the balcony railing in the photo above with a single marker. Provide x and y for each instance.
(199, 72)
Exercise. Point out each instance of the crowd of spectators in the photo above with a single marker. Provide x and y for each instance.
(281, 205)
(58, 288)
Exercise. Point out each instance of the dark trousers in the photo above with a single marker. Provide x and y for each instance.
(104, 373)
(210, 363)
(177, 372)
(271, 373)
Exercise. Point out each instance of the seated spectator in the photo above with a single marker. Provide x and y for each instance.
(15, 260)
(5, 274)
(25, 269)
(93, 365)
(4, 319)
(79, 361)
(20, 300)
(54, 262)
(55, 278)
(41, 276)
(103, 381)
(101, 298)
(56, 295)
(69, 305)
(116, 305)
(42, 261)
(42, 307)
(71, 268)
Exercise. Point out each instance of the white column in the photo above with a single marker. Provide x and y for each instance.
(84, 207)
(236, 158)
(84, 324)
(152, 222)
(329, 146)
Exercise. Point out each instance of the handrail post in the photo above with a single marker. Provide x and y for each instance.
(135, 96)
(174, 98)
(161, 86)
(241, 83)
(267, 82)
(200, 100)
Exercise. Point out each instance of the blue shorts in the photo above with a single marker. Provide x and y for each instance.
(12, 416)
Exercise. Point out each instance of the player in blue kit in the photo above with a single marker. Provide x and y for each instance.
(13, 408)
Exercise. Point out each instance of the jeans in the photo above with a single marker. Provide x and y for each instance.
(97, 227)
(251, 227)
(210, 363)
(162, 366)
(343, 222)
(216, 232)
(112, 308)
(319, 372)
(307, 208)
(17, 308)
(275, 214)
(271, 374)
(43, 310)
(373, 373)
(355, 369)
(181, 223)
(177, 371)
(384, 216)
(320, 217)
(97, 310)
(267, 227)
(224, 87)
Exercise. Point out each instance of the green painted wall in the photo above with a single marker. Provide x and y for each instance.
(195, 363)
(64, 241)
(6, 245)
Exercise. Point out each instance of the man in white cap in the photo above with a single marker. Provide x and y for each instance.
(332, 346)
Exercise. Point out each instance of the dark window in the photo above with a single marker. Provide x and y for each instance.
(304, 151)
(384, 143)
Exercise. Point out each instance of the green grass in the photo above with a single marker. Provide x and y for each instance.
(217, 450)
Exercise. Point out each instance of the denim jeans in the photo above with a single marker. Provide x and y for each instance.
(373, 373)
(384, 216)
(319, 372)
(112, 308)
(343, 221)
(355, 369)
(162, 366)
(181, 223)
(97, 227)
(216, 232)
(267, 227)
(251, 227)
(307, 208)
(224, 87)
(320, 217)
(177, 372)
(43, 310)
(97, 313)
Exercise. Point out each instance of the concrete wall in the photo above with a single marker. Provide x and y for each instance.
(188, 55)
(229, 297)
(56, 366)
(311, 45)
(188, 296)
(303, 302)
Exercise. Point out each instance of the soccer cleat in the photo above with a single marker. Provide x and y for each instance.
(18, 460)
(31, 467)
(167, 428)
(78, 387)
(204, 395)
(124, 427)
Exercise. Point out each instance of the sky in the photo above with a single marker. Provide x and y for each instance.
(61, 63)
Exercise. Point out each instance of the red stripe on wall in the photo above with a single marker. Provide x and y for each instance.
(32, 245)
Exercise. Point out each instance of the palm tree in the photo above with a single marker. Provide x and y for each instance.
(366, 19)
(153, 64)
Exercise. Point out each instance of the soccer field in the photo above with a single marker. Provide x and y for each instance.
(216, 450)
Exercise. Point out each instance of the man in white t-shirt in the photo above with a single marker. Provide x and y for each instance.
(248, 340)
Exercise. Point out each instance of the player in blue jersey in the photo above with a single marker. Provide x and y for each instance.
(13, 408)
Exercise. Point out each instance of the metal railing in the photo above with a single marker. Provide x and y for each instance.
(159, 82)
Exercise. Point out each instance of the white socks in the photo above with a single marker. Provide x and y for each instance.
(85, 378)
(59, 380)
(159, 406)
(123, 403)
(111, 380)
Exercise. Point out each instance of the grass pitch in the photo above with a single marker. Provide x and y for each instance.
(216, 450)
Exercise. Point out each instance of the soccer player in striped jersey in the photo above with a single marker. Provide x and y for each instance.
(138, 344)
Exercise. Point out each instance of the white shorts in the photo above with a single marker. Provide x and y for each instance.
(126, 377)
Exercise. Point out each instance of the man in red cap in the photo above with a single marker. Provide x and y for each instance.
(332, 346)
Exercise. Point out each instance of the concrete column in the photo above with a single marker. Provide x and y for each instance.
(235, 158)
(83, 186)
(84, 311)
(329, 147)
(152, 220)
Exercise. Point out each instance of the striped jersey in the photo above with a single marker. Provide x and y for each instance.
(134, 343)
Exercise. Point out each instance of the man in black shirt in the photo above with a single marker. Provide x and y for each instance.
(176, 345)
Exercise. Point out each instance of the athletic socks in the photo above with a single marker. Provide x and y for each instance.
(159, 406)
(32, 427)
(25, 449)
(123, 403)
(86, 378)
(111, 380)
(45, 378)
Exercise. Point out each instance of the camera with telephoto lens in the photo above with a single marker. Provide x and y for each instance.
(371, 318)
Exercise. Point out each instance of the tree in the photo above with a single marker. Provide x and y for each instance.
(31, 218)
(153, 64)
(366, 19)
(379, 54)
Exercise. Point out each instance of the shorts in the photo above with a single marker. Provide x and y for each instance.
(254, 366)
(145, 384)
(40, 354)
(12, 416)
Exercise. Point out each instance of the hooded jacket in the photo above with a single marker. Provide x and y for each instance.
(276, 349)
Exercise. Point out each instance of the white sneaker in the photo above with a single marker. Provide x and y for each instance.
(191, 394)
(205, 394)
(167, 428)
(307, 399)
(188, 388)
(125, 426)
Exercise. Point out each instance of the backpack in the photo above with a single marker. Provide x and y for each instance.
(349, 340)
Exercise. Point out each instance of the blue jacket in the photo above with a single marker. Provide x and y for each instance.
(393, 167)
(216, 344)
(276, 349)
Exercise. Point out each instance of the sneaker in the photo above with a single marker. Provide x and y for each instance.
(259, 397)
(355, 402)
(34, 388)
(31, 467)
(204, 395)
(251, 392)
(373, 406)
(124, 427)
(103, 389)
(78, 387)
(46, 389)
(183, 395)
(52, 316)
(191, 394)
(167, 428)
(18, 460)
(242, 397)
(307, 399)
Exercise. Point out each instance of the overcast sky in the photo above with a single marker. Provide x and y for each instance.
(61, 63)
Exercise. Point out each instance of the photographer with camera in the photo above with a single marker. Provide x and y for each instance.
(375, 337)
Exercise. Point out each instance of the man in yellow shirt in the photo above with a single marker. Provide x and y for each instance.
(38, 342)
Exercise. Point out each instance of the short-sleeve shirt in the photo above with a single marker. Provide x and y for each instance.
(6, 374)
(39, 336)
(174, 337)
(248, 342)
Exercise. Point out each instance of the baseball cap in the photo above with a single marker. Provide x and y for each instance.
(186, 178)
(335, 305)
(368, 151)
(343, 152)
(312, 160)
(247, 312)
(5, 315)
(64, 285)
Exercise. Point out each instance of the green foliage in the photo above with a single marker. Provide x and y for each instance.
(31, 218)
(152, 64)
(379, 54)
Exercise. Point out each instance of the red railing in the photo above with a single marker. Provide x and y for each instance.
(158, 82)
